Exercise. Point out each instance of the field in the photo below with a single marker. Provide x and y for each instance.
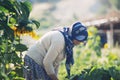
(89, 66)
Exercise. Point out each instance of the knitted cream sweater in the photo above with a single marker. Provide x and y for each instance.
(48, 51)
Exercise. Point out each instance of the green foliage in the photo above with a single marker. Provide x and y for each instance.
(91, 63)
(13, 13)
(98, 73)
(16, 13)
(94, 38)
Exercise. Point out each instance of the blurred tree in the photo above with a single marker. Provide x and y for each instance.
(45, 1)
(110, 4)
(47, 20)
(115, 4)
(104, 6)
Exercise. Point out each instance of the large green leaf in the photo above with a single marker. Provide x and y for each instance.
(21, 47)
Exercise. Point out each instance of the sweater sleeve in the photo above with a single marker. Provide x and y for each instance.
(51, 56)
(56, 70)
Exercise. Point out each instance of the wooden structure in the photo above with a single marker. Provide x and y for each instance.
(108, 27)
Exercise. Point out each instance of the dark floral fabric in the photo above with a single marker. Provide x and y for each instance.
(33, 71)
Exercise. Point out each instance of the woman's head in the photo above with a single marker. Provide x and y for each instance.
(79, 33)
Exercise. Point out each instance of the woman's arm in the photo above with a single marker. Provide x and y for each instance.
(49, 60)
(56, 46)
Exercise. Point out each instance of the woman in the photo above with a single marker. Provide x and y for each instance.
(44, 57)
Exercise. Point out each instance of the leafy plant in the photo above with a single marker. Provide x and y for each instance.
(14, 22)
(98, 73)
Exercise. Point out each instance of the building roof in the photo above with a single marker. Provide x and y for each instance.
(112, 17)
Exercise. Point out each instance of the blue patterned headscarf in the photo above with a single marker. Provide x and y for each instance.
(68, 49)
(79, 33)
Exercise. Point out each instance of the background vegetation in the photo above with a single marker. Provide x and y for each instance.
(66, 15)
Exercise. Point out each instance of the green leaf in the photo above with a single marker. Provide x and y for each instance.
(21, 47)
(28, 5)
(26, 8)
(3, 9)
(36, 23)
(3, 76)
(8, 33)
